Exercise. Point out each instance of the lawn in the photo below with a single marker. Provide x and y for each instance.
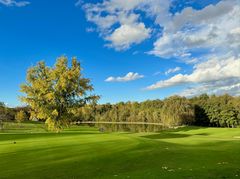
(28, 151)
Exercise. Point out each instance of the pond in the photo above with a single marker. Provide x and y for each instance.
(113, 127)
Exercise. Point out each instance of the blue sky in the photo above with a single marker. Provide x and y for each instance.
(139, 50)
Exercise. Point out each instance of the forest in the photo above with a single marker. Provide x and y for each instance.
(203, 110)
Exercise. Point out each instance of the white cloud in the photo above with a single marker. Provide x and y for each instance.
(14, 3)
(214, 28)
(128, 77)
(198, 37)
(172, 70)
(126, 35)
(185, 32)
(209, 71)
(191, 60)
(235, 31)
(230, 86)
(212, 32)
(118, 22)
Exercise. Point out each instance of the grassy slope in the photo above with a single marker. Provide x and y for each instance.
(187, 153)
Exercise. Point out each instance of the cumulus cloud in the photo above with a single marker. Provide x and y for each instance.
(183, 32)
(128, 77)
(118, 22)
(172, 70)
(215, 29)
(230, 86)
(14, 3)
(209, 71)
(212, 32)
(126, 35)
(201, 38)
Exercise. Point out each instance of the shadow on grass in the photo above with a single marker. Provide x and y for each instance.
(185, 129)
(166, 136)
(173, 133)
(203, 134)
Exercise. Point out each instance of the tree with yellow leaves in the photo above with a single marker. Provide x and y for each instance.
(54, 93)
(21, 116)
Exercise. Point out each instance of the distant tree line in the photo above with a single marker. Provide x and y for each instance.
(204, 110)
(217, 111)
(10, 114)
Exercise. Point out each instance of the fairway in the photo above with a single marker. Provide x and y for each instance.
(84, 152)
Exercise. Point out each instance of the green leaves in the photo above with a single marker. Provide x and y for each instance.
(221, 111)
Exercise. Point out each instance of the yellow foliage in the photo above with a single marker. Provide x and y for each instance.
(53, 92)
(21, 116)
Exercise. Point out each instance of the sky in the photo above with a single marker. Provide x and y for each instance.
(132, 50)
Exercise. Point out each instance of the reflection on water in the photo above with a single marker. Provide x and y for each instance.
(127, 127)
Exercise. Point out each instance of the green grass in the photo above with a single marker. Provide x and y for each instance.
(83, 152)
